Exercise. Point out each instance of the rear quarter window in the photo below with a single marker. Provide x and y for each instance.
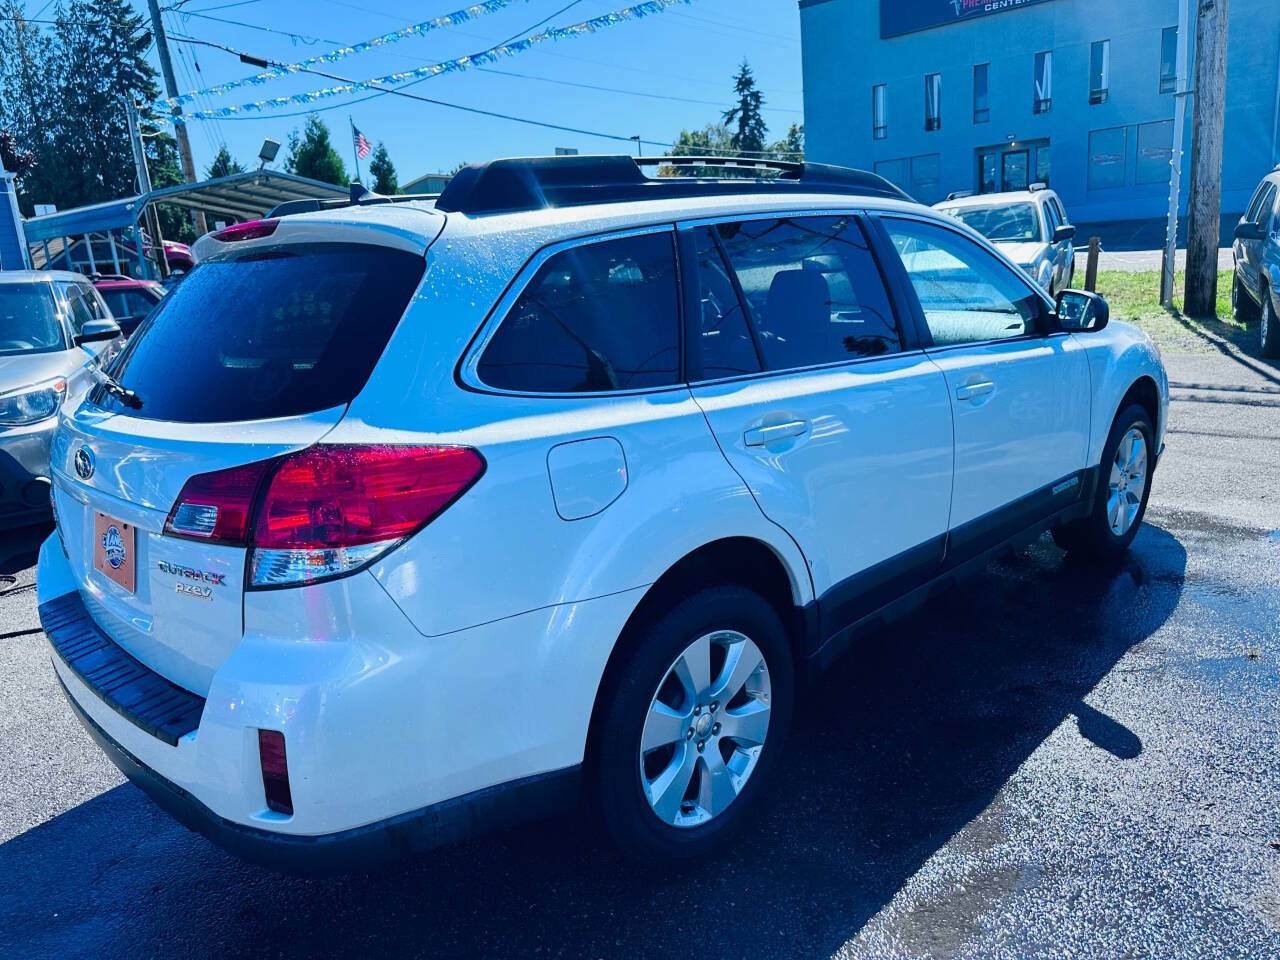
(272, 332)
(596, 317)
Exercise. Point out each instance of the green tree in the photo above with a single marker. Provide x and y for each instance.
(790, 147)
(751, 130)
(27, 102)
(383, 171)
(224, 165)
(312, 155)
(713, 140)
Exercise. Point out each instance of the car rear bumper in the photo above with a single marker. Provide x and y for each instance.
(24, 474)
(392, 839)
(395, 742)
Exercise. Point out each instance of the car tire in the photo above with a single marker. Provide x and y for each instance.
(650, 740)
(1242, 306)
(1268, 328)
(1118, 510)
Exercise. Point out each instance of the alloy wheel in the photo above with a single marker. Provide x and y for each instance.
(706, 725)
(1128, 482)
(1264, 321)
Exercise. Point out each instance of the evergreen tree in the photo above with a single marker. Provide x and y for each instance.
(383, 171)
(751, 130)
(27, 104)
(224, 165)
(312, 155)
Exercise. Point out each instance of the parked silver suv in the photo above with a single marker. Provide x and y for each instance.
(1029, 227)
(54, 329)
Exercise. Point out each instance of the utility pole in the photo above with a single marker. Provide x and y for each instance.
(1182, 91)
(1205, 207)
(144, 187)
(171, 88)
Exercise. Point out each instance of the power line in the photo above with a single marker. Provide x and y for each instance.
(401, 91)
(532, 27)
(630, 93)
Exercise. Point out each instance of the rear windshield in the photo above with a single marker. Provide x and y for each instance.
(273, 332)
(29, 319)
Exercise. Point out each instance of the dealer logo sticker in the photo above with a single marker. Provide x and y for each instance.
(113, 547)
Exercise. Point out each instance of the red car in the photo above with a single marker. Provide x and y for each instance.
(130, 300)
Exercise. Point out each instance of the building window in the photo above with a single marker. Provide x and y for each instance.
(1043, 83)
(933, 101)
(1169, 60)
(988, 172)
(1099, 70)
(981, 93)
(1042, 165)
(920, 176)
(1155, 152)
(1107, 149)
(879, 115)
(926, 178)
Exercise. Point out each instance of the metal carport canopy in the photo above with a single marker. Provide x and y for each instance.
(243, 196)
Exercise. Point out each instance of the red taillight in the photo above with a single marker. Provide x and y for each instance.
(346, 496)
(275, 771)
(249, 230)
(218, 507)
(323, 511)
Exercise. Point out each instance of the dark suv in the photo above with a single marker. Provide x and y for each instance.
(1256, 251)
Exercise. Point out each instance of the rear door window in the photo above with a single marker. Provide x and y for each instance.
(813, 291)
(728, 348)
(272, 332)
(596, 317)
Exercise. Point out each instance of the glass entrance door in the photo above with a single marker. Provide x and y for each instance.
(1013, 168)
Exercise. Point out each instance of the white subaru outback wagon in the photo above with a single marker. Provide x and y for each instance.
(397, 520)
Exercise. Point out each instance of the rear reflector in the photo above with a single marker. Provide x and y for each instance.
(275, 771)
(249, 230)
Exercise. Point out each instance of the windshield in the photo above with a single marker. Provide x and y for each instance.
(1013, 222)
(273, 332)
(29, 319)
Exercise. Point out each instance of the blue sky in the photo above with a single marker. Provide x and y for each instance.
(689, 53)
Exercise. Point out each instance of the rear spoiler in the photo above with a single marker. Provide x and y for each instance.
(361, 196)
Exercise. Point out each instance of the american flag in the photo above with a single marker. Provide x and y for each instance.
(362, 144)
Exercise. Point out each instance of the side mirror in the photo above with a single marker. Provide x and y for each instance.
(1064, 232)
(1247, 230)
(97, 330)
(1080, 311)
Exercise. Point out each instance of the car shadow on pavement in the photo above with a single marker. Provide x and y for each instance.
(20, 546)
(902, 744)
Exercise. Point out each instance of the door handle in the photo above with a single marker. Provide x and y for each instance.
(759, 436)
(972, 391)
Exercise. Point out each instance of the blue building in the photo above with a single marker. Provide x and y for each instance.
(988, 95)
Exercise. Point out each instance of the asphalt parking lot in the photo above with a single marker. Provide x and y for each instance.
(1054, 760)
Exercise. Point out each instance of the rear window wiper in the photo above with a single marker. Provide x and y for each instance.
(121, 393)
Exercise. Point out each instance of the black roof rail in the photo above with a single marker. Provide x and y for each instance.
(536, 183)
(361, 196)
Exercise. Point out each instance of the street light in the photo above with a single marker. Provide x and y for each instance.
(268, 152)
(639, 146)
